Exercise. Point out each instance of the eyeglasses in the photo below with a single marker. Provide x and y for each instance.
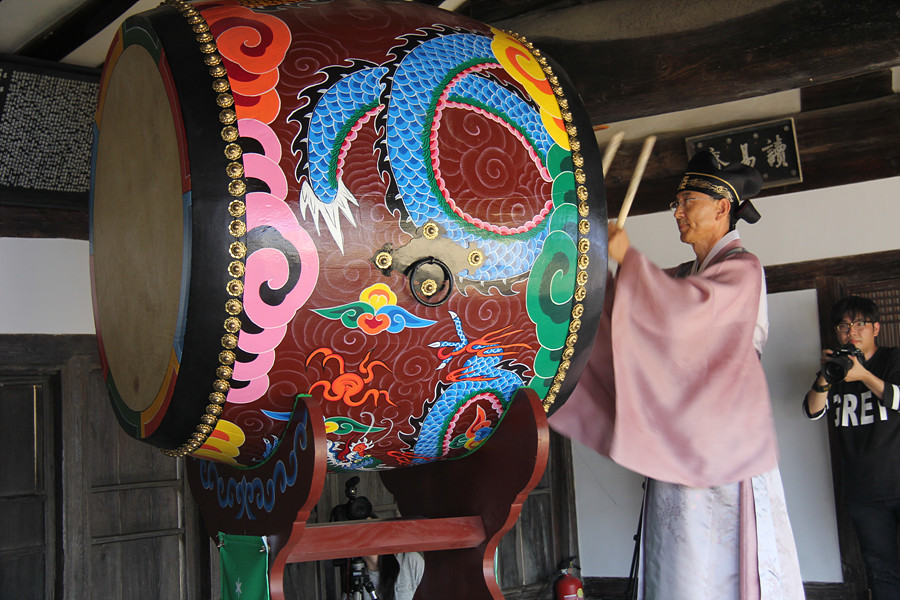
(684, 204)
(844, 326)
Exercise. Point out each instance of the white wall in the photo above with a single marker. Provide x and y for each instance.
(840, 221)
(790, 362)
(46, 286)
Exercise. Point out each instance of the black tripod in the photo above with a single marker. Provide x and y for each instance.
(359, 581)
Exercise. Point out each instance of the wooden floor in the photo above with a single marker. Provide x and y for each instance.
(614, 588)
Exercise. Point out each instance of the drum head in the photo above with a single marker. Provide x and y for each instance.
(137, 230)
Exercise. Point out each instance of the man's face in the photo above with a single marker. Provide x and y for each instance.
(857, 330)
(696, 216)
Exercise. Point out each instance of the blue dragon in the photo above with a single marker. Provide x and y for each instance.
(480, 374)
(450, 69)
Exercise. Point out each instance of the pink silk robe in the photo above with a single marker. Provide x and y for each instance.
(674, 389)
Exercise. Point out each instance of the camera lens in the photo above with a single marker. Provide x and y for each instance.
(835, 370)
(359, 508)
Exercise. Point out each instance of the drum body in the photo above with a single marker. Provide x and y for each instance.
(389, 207)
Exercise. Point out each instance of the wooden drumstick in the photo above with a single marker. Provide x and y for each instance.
(611, 150)
(635, 180)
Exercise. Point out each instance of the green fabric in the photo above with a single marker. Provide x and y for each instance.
(244, 561)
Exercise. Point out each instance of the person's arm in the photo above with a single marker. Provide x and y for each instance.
(857, 372)
(883, 381)
(371, 562)
(816, 401)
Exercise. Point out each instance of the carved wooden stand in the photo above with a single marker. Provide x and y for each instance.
(454, 511)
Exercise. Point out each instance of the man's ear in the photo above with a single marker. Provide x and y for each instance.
(876, 327)
(723, 208)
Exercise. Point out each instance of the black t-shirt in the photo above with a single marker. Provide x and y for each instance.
(869, 430)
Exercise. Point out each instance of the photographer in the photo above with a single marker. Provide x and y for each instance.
(859, 386)
(392, 576)
(387, 577)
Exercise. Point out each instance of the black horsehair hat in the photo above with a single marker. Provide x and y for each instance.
(736, 182)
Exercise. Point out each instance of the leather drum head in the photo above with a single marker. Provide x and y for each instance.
(137, 232)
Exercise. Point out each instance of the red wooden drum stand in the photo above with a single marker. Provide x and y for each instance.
(457, 529)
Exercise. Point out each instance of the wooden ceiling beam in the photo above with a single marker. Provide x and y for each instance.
(789, 46)
(844, 144)
(66, 35)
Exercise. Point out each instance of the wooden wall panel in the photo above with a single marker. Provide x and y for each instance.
(141, 569)
(123, 521)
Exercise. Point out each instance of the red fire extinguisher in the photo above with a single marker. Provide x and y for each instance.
(568, 587)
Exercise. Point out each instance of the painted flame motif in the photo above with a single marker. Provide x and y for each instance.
(348, 387)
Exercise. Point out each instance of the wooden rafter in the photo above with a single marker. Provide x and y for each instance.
(788, 46)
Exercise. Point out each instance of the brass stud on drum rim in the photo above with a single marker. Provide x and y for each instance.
(230, 134)
(225, 100)
(233, 307)
(237, 187)
(237, 208)
(584, 226)
(235, 269)
(234, 170)
(232, 151)
(232, 325)
(237, 228)
(235, 287)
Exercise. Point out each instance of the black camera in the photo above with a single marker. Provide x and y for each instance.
(835, 368)
(356, 507)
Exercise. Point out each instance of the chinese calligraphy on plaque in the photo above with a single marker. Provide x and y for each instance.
(769, 147)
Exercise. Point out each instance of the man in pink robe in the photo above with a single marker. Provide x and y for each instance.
(674, 390)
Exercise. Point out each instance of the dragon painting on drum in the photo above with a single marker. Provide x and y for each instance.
(393, 210)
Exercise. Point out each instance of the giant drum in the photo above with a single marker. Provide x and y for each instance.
(388, 207)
